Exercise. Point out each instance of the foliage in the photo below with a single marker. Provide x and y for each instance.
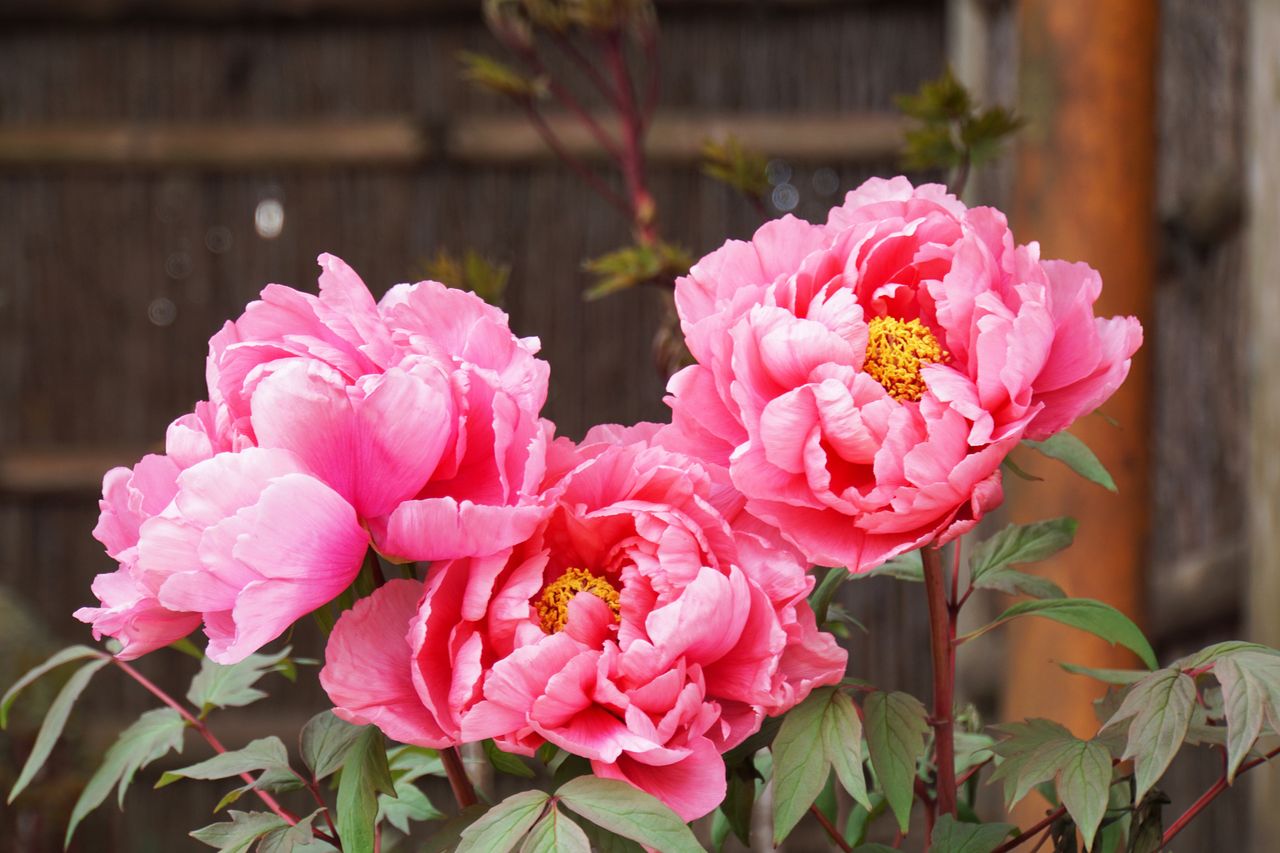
(471, 271)
(632, 266)
(744, 170)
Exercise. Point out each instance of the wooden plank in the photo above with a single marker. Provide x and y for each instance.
(498, 138)
(54, 471)
(99, 11)
(1085, 190)
(1262, 329)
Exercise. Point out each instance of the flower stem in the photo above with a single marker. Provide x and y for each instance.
(836, 837)
(463, 791)
(1023, 837)
(942, 646)
(1209, 796)
(201, 727)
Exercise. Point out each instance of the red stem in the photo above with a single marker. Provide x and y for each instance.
(633, 168)
(1032, 832)
(200, 726)
(942, 629)
(579, 168)
(1209, 796)
(586, 66)
(836, 837)
(463, 791)
(570, 102)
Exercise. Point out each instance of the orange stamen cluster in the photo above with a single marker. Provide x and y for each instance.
(553, 604)
(896, 350)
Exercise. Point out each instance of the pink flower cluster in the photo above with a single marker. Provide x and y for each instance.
(862, 380)
(333, 422)
(638, 599)
(647, 625)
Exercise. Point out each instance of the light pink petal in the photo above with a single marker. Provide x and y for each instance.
(443, 529)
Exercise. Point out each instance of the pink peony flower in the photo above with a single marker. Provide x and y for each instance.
(647, 625)
(248, 543)
(421, 410)
(863, 380)
(329, 417)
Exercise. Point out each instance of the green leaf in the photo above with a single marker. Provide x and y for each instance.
(471, 271)
(739, 800)
(1210, 654)
(629, 812)
(67, 655)
(364, 775)
(266, 753)
(896, 726)
(1107, 676)
(904, 567)
(241, 832)
(408, 804)
(729, 162)
(842, 741)
(414, 762)
(446, 837)
(972, 749)
(502, 827)
(489, 73)
(54, 722)
(218, 686)
(951, 836)
(604, 841)
(632, 266)
(325, 742)
(1250, 693)
(1160, 707)
(149, 737)
(505, 762)
(993, 559)
(1032, 753)
(298, 838)
(800, 763)
(1084, 781)
(1101, 620)
(1076, 455)
(820, 598)
(556, 833)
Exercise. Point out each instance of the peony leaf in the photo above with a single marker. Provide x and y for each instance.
(298, 838)
(951, 836)
(1101, 620)
(502, 827)
(896, 726)
(1160, 707)
(1019, 543)
(364, 775)
(325, 742)
(505, 762)
(904, 567)
(408, 804)
(629, 812)
(800, 763)
(1250, 693)
(218, 686)
(1107, 676)
(67, 655)
(1014, 582)
(149, 737)
(604, 841)
(1210, 654)
(1032, 753)
(55, 721)
(241, 832)
(266, 753)
(842, 741)
(820, 598)
(556, 833)
(1084, 785)
(1076, 455)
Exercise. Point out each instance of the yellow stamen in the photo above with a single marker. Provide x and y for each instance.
(553, 604)
(896, 350)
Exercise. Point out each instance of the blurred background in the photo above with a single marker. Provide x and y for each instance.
(161, 161)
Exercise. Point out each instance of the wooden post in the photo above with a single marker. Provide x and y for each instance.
(1085, 190)
(1262, 329)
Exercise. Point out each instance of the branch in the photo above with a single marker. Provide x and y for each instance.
(203, 729)
(579, 168)
(463, 791)
(1032, 832)
(1209, 796)
(571, 102)
(942, 647)
(836, 837)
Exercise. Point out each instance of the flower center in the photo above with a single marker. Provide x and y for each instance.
(896, 350)
(553, 604)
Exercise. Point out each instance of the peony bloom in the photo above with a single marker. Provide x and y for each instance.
(248, 543)
(332, 421)
(863, 380)
(640, 627)
(420, 410)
